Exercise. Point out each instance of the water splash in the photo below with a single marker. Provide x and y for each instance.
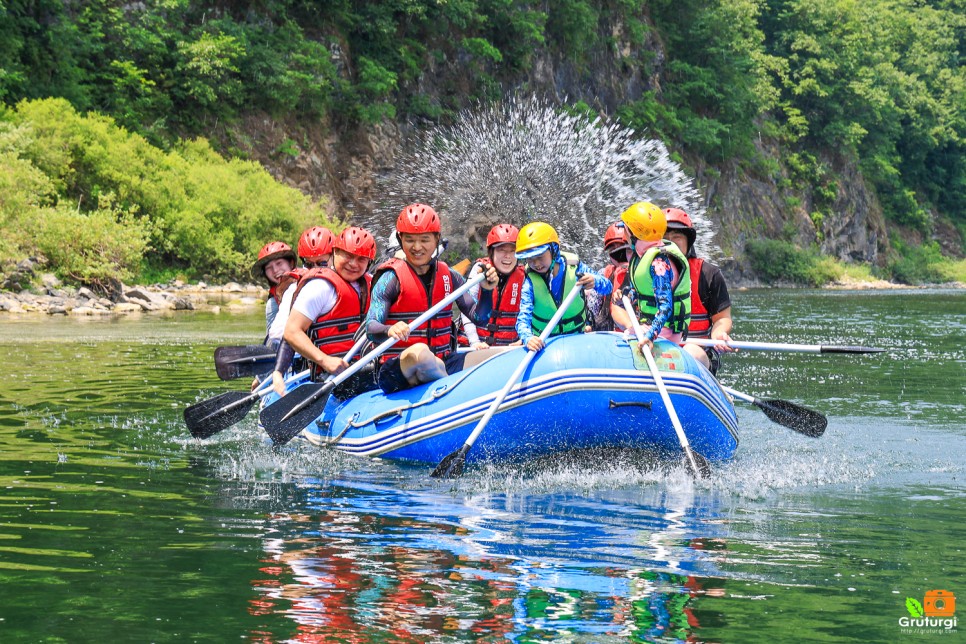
(525, 159)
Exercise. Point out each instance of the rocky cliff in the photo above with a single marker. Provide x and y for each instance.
(342, 162)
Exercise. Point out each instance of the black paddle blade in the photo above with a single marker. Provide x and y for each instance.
(451, 467)
(306, 401)
(833, 349)
(246, 361)
(703, 470)
(209, 417)
(788, 414)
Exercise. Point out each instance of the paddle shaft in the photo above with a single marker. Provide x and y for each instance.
(790, 348)
(386, 344)
(554, 321)
(452, 464)
(659, 381)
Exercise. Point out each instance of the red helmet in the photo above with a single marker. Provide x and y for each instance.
(678, 219)
(677, 216)
(614, 235)
(357, 241)
(502, 234)
(315, 242)
(270, 252)
(417, 219)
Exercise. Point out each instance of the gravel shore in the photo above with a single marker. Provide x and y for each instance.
(51, 297)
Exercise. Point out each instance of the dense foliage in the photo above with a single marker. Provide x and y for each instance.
(99, 202)
(879, 81)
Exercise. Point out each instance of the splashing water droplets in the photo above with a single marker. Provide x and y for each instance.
(524, 160)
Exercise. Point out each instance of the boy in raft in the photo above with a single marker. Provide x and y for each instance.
(550, 275)
(659, 277)
(405, 288)
(328, 307)
(710, 302)
(500, 330)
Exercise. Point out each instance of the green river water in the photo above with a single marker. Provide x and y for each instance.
(115, 525)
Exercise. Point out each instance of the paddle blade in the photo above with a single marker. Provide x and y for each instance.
(208, 417)
(788, 414)
(696, 464)
(452, 466)
(833, 349)
(243, 362)
(306, 401)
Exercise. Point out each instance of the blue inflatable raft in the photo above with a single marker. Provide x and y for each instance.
(582, 391)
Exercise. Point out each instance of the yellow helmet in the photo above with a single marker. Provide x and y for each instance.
(534, 239)
(645, 220)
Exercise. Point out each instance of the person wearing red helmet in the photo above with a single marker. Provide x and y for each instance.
(710, 302)
(500, 330)
(403, 289)
(315, 246)
(275, 260)
(328, 307)
(315, 250)
(616, 247)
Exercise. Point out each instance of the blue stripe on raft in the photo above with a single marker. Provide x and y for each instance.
(459, 416)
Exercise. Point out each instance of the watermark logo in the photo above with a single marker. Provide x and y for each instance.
(935, 614)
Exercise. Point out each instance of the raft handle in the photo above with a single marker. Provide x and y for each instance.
(633, 403)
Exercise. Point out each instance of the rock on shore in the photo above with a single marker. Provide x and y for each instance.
(53, 298)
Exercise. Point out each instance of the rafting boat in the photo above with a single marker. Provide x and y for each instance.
(583, 391)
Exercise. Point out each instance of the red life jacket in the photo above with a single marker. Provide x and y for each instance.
(501, 329)
(700, 326)
(334, 332)
(412, 302)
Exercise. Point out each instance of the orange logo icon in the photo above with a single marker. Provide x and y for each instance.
(939, 603)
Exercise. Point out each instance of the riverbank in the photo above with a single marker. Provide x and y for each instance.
(54, 298)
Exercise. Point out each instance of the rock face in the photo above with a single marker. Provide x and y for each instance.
(342, 164)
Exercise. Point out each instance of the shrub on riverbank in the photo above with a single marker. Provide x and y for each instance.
(99, 202)
(782, 261)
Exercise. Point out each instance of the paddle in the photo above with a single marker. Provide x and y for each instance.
(452, 464)
(791, 348)
(208, 417)
(788, 414)
(243, 361)
(286, 418)
(697, 464)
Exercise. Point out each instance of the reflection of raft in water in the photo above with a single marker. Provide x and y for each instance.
(582, 391)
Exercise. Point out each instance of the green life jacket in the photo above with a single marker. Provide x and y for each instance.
(544, 305)
(640, 271)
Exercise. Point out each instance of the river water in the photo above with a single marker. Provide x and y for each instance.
(115, 524)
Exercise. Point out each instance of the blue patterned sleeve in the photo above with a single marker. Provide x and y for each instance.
(525, 316)
(602, 285)
(661, 275)
(384, 292)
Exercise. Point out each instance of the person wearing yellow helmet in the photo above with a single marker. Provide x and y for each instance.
(659, 276)
(550, 275)
(710, 302)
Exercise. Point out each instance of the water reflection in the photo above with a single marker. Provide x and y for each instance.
(423, 566)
